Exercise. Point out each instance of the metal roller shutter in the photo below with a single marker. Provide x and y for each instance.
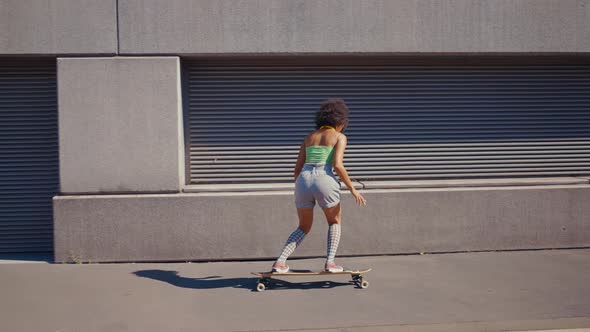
(245, 122)
(29, 173)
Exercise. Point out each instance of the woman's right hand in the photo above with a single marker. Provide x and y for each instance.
(360, 200)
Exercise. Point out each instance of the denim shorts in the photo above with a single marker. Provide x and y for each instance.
(317, 182)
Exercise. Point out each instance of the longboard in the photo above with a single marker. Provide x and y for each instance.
(265, 277)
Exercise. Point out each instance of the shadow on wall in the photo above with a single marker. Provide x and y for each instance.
(212, 282)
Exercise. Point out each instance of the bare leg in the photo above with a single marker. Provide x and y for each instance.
(333, 214)
(305, 219)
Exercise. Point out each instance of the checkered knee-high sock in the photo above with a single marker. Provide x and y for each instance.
(292, 242)
(333, 240)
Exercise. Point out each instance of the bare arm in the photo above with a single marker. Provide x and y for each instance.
(341, 170)
(300, 161)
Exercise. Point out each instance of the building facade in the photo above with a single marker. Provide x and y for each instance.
(150, 130)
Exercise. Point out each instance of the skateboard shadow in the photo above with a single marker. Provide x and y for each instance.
(214, 282)
(210, 282)
(279, 284)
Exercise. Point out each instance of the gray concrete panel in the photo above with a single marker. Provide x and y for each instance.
(58, 27)
(256, 225)
(351, 26)
(120, 125)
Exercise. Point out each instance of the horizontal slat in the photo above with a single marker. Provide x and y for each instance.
(221, 125)
(25, 237)
(24, 246)
(30, 215)
(289, 179)
(33, 223)
(407, 109)
(380, 164)
(405, 169)
(351, 157)
(510, 144)
(261, 159)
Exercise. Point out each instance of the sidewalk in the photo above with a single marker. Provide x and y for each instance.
(487, 291)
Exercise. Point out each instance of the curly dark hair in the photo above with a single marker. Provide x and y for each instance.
(333, 112)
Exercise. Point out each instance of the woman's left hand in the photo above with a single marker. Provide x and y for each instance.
(360, 200)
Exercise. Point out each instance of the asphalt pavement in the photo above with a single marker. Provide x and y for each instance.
(477, 291)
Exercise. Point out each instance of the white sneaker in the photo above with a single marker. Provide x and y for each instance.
(280, 267)
(332, 267)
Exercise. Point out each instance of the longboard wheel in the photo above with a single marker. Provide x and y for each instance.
(260, 287)
(364, 284)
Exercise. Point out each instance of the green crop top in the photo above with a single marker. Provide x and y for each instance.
(319, 154)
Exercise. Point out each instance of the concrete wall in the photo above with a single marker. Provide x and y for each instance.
(45, 27)
(184, 27)
(248, 225)
(352, 26)
(120, 125)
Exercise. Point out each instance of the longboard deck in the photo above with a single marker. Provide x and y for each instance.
(308, 273)
(265, 277)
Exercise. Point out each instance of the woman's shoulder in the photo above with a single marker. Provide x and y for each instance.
(308, 137)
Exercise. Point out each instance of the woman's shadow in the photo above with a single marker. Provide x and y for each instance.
(213, 282)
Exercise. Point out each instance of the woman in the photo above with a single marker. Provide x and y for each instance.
(322, 150)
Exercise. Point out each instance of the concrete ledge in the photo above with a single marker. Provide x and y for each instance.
(209, 226)
(398, 184)
(504, 182)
